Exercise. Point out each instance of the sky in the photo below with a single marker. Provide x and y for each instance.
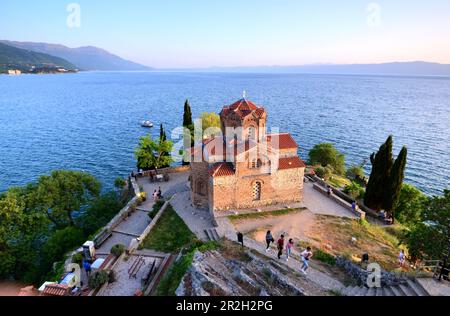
(206, 33)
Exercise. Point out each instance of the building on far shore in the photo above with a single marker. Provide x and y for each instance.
(14, 72)
(245, 168)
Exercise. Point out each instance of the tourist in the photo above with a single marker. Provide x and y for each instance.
(155, 196)
(354, 206)
(289, 246)
(240, 238)
(306, 256)
(401, 258)
(159, 193)
(329, 191)
(280, 246)
(87, 267)
(269, 239)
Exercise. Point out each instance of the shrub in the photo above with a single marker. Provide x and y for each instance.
(97, 279)
(324, 173)
(112, 276)
(354, 190)
(119, 183)
(77, 258)
(325, 257)
(355, 172)
(117, 250)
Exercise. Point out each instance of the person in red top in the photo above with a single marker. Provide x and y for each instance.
(280, 246)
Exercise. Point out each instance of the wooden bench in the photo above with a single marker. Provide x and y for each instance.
(147, 273)
(135, 267)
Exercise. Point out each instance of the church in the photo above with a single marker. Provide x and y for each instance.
(244, 167)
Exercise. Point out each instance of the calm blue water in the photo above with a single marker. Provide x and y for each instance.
(89, 121)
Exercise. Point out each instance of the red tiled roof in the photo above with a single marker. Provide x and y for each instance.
(222, 169)
(55, 290)
(243, 108)
(281, 141)
(290, 163)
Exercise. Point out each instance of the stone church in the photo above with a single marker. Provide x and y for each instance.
(245, 168)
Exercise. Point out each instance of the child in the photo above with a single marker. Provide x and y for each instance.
(289, 246)
(280, 246)
(306, 256)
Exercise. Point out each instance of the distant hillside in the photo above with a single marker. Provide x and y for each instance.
(85, 58)
(397, 68)
(16, 58)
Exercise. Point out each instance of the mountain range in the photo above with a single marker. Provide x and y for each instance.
(93, 58)
(25, 60)
(84, 58)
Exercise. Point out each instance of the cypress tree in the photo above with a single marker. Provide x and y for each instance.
(163, 138)
(187, 116)
(188, 123)
(395, 182)
(379, 177)
(162, 133)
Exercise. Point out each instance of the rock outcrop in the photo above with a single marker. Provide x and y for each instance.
(214, 273)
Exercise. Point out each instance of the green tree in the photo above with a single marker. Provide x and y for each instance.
(410, 204)
(64, 192)
(395, 182)
(382, 162)
(18, 228)
(430, 238)
(326, 154)
(151, 154)
(210, 124)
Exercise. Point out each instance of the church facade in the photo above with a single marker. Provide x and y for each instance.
(245, 168)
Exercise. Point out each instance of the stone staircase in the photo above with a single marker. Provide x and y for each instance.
(211, 234)
(410, 288)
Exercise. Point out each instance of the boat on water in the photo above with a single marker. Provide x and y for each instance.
(146, 124)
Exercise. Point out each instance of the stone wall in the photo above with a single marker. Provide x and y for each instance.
(283, 186)
(361, 275)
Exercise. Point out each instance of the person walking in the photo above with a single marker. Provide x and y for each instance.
(402, 258)
(269, 239)
(240, 238)
(155, 196)
(280, 246)
(159, 193)
(289, 246)
(87, 267)
(306, 256)
(354, 206)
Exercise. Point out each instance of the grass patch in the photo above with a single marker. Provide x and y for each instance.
(324, 257)
(260, 215)
(170, 234)
(338, 181)
(173, 277)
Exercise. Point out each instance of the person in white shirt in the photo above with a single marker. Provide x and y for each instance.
(401, 258)
(306, 256)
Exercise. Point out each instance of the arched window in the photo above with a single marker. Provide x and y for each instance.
(257, 191)
(251, 133)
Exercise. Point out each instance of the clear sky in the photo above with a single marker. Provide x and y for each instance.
(203, 33)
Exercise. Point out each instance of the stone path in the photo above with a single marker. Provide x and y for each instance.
(320, 204)
(197, 220)
(136, 223)
(227, 230)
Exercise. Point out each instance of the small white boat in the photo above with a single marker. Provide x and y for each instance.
(146, 124)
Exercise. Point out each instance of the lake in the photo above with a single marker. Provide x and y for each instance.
(90, 121)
